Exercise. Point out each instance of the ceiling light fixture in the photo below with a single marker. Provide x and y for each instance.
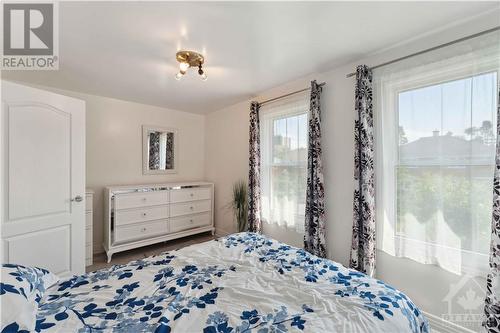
(188, 59)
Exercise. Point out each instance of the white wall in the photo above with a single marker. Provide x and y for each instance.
(114, 146)
(227, 139)
(227, 145)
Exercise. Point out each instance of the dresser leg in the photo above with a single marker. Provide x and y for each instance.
(110, 254)
(213, 232)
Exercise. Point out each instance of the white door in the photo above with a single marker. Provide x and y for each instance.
(43, 179)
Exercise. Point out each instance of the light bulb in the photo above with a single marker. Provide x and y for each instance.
(178, 76)
(183, 66)
(204, 77)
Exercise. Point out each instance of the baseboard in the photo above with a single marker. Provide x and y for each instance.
(439, 325)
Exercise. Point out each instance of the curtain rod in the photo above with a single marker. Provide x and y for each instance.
(289, 94)
(432, 48)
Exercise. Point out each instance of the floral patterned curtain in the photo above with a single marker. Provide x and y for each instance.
(363, 230)
(492, 303)
(314, 236)
(169, 156)
(254, 222)
(154, 150)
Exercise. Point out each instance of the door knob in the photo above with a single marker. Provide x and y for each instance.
(78, 198)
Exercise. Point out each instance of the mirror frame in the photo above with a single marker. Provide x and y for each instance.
(145, 152)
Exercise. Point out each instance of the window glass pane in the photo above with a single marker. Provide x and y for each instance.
(302, 138)
(292, 132)
(446, 150)
(450, 206)
(288, 194)
(284, 170)
(279, 141)
(455, 113)
(483, 101)
(418, 110)
(290, 139)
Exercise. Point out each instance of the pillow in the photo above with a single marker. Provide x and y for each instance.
(21, 289)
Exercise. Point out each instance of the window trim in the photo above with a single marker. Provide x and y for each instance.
(271, 116)
(272, 119)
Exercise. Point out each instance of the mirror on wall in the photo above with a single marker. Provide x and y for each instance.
(159, 151)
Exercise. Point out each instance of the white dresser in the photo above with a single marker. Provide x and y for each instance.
(140, 215)
(89, 244)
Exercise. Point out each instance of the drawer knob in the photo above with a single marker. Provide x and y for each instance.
(143, 229)
(191, 208)
(190, 221)
(144, 199)
(144, 214)
(191, 194)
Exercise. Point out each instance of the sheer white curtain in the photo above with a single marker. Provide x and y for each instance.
(435, 145)
(283, 139)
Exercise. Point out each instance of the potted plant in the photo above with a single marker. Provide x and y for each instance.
(239, 204)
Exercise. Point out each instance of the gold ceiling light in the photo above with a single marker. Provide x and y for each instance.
(188, 59)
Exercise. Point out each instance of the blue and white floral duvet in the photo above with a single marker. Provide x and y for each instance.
(240, 283)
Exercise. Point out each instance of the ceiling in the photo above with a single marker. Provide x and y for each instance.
(126, 50)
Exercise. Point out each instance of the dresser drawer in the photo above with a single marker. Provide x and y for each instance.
(189, 194)
(88, 235)
(190, 221)
(141, 230)
(144, 214)
(190, 207)
(141, 199)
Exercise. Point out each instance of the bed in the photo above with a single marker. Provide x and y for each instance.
(243, 282)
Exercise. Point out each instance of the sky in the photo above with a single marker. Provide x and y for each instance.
(295, 128)
(452, 106)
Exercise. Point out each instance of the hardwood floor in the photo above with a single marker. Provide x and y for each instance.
(146, 251)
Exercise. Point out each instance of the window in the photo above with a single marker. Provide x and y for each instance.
(446, 162)
(436, 139)
(284, 162)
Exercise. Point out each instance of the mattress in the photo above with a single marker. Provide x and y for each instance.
(243, 282)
